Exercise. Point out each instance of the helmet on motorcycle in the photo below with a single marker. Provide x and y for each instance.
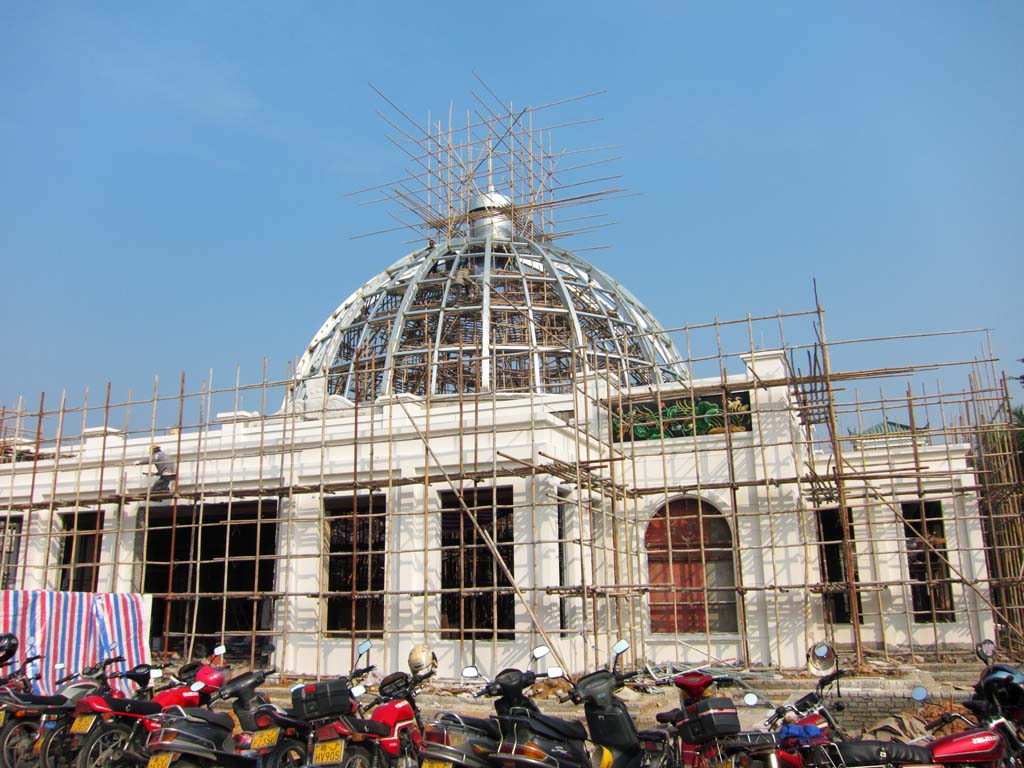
(8, 646)
(1002, 684)
(421, 658)
(211, 677)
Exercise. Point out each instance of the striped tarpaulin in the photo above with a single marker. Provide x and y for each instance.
(77, 628)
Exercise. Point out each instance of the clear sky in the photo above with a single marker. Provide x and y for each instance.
(173, 176)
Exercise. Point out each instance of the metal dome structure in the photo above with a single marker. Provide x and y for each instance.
(491, 310)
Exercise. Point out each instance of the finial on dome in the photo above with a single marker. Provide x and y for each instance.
(490, 213)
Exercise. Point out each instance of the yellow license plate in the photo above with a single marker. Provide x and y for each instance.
(264, 739)
(328, 752)
(159, 760)
(83, 723)
(436, 764)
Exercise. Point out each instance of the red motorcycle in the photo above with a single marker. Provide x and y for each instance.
(111, 731)
(991, 742)
(705, 726)
(391, 736)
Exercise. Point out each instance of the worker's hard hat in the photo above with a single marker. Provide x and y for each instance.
(155, 448)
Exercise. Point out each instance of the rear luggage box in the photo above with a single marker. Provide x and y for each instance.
(709, 719)
(323, 699)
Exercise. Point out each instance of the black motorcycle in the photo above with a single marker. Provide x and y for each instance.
(619, 743)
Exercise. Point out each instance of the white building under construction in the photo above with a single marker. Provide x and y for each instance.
(492, 444)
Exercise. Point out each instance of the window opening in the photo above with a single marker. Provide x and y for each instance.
(355, 563)
(10, 543)
(226, 575)
(80, 558)
(477, 600)
(930, 590)
(832, 565)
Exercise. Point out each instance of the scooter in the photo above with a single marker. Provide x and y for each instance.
(529, 738)
(618, 742)
(467, 742)
(196, 735)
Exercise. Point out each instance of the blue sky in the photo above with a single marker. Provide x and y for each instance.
(173, 192)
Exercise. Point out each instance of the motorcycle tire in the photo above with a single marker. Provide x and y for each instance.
(105, 747)
(290, 753)
(56, 749)
(16, 738)
(356, 757)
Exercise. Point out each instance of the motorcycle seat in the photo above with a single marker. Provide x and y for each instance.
(360, 725)
(285, 718)
(879, 752)
(42, 701)
(672, 716)
(134, 706)
(653, 734)
(485, 725)
(570, 729)
(220, 719)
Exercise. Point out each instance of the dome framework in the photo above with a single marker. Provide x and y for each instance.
(482, 314)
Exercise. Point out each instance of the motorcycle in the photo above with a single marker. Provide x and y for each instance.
(392, 734)
(464, 741)
(51, 747)
(706, 728)
(992, 741)
(19, 724)
(618, 742)
(207, 738)
(110, 730)
(529, 738)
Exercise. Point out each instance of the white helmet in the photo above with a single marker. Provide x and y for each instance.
(421, 658)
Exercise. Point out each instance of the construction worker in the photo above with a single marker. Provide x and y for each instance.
(165, 469)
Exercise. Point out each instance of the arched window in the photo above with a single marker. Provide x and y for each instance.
(690, 569)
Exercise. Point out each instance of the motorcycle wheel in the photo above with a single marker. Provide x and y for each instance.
(105, 747)
(56, 749)
(16, 739)
(356, 757)
(288, 754)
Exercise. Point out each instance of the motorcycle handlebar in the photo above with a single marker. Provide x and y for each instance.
(362, 671)
(30, 659)
(937, 723)
(114, 660)
(829, 679)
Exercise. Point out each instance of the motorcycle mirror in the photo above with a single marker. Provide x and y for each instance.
(986, 650)
(156, 674)
(59, 666)
(197, 686)
(470, 671)
(541, 651)
(821, 659)
(750, 699)
(357, 690)
(555, 672)
(220, 650)
(920, 693)
(620, 647)
(363, 647)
